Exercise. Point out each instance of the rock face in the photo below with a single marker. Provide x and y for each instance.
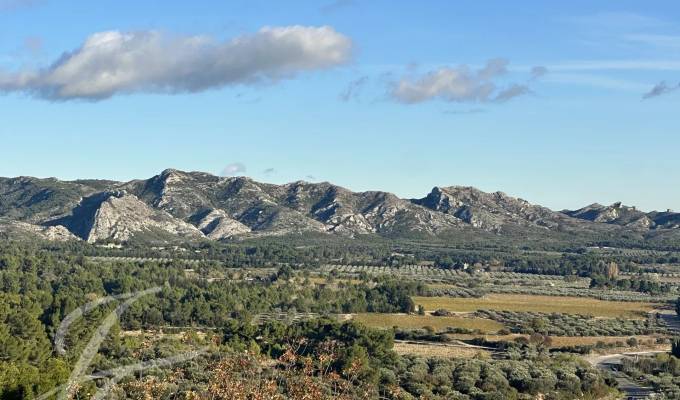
(35, 200)
(616, 214)
(216, 224)
(121, 216)
(490, 211)
(118, 216)
(196, 205)
(54, 233)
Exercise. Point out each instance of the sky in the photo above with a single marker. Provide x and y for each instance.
(560, 103)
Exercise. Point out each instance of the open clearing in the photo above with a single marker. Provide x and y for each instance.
(420, 321)
(437, 350)
(544, 304)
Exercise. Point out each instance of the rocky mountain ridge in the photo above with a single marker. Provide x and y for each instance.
(628, 216)
(201, 206)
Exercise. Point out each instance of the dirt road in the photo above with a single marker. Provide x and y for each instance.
(612, 363)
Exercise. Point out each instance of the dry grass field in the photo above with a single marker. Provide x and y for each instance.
(420, 321)
(563, 341)
(436, 350)
(545, 304)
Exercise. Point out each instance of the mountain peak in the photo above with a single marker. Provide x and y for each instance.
(200, 205)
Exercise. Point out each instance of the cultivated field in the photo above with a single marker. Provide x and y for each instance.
(644, 341)
(419, 321)
(544, 304)
(439, 350)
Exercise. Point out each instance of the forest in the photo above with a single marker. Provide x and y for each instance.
(40, 287)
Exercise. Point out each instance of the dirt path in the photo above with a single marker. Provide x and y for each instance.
(612, 363)
(669, 318)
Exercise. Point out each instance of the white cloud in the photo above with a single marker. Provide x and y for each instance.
(458, 84)
(234, 169)
(109, 63)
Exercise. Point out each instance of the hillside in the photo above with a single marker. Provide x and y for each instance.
(189, 206)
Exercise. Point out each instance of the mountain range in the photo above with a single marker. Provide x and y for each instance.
(177, 205)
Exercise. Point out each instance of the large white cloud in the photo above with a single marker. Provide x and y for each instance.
(114, 62)
(458, 84)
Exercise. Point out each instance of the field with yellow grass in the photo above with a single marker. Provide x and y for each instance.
(420, 321)
(438, 350)
(533, 303)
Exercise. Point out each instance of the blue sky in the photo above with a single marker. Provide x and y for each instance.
(541, 100)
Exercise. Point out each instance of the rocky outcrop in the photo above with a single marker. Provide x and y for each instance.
(196, 205)
(616, 214)
(118, 216)
(217, 225)
(489, 211)
(121, 216)
(53, 233)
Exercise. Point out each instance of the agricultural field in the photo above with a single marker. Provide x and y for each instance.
(406, 321)
(542, 304)
(478, 282)
(442, 275)
(643, 341)
(439, 350)
(556, 324)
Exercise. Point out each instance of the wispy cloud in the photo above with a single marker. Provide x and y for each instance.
(511, 92)
(33, 44)
(11, 5)
(234, 169)
(596, 81)
(656, 40)
(538, 72)
(269, 171)
(110, 63)
(617, 20)
(660, 89)
(626, 31)
(616, 65)
(353, 89)
(458, 84)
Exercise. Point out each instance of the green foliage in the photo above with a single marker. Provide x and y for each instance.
(675, 347)
(39, 287)
(660, 372)
(557, 324)
(562, 377)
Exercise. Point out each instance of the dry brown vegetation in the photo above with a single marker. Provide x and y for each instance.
(439, 350)
(544, 304)
(407, 321)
